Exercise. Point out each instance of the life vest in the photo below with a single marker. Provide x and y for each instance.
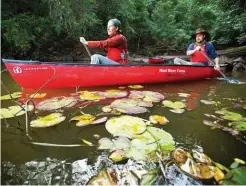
(118, 54)
(197, 56)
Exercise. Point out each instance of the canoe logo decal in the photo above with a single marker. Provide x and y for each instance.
(173, 70)
(17, 70)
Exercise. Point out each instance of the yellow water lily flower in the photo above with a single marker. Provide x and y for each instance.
(38, 95)
(84, 119)
(107, 108)
(156, 119)
(136, 86)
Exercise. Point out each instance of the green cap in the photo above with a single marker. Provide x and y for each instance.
(116, 22)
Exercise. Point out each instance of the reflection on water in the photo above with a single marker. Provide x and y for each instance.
(25, 163)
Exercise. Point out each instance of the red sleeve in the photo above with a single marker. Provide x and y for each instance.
(110, 42)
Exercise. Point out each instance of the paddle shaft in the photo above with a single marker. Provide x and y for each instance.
(87, 49)
(212, 63)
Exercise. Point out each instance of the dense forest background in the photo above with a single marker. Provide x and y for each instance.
(37, 28)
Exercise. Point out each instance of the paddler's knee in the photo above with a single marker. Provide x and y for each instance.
(95, 59)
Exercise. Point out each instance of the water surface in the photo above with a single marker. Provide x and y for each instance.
(21, 159)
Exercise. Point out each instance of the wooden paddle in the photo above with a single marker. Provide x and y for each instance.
(230, 80)
(87, 49)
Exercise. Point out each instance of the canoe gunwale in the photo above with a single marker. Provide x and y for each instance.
(97, 65)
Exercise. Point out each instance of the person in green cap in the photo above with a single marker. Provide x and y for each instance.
(200, 51)
(115, 46)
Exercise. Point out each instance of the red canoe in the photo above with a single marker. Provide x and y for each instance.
(34, 74)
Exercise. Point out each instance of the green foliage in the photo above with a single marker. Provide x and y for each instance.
(24, 30)
(231, 23)
(72, 17)
(151, 26)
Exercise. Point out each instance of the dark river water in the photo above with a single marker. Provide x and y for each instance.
(26, 163)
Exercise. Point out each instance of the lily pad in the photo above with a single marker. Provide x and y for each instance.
(234, 165)
(47, 121)
(131, 110)
(174, 105)
(232, 116)
(125, 126)
(156, 119)
(14, 95)
(130, 106)
(130, 103)
(241, 126)
(212, 124)
(13, 111)
(101, 120)
(90, 96)
(148, 96)
(177, 111)
(164, 139)
(56, 103)
(120, 142)
(207, 102)
(105, 143)
(112, 94)
(221, 112)
(184, 95)
(235, 177)
(140, 149)
(144, 146)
